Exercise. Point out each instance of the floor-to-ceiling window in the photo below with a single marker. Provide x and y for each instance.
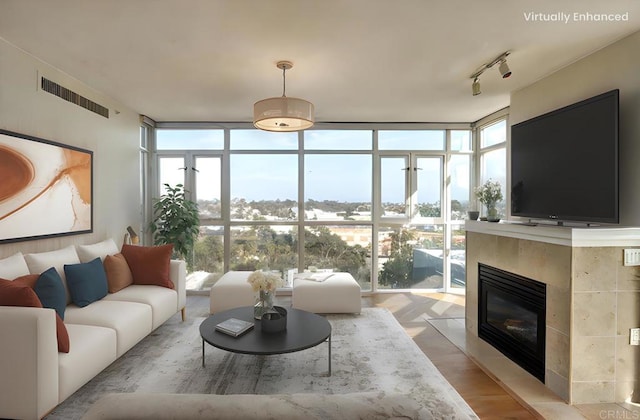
(460, 188)
(412, 219)
(492, 153)
(146, 145)
(194, 158)
(386, 204)
(337, 168)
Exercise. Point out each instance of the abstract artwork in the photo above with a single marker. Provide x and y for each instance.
(46, 188)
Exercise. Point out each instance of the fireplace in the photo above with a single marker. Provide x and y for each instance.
(511, 317)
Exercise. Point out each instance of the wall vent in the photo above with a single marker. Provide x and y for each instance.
(70, 96)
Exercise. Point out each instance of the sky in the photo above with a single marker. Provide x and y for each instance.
(337, 167)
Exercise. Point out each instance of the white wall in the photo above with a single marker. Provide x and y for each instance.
(614, 67)
(26, 109)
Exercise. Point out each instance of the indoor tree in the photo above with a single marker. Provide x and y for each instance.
(175, 221)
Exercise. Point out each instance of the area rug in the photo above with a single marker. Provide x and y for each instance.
(370, 352)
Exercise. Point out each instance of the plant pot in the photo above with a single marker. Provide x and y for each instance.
(473, 215)
(274, 321)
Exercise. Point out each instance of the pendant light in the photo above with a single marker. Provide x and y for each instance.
(283, 113)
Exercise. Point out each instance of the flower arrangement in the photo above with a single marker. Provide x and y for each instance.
(489, 193)
(264, 281)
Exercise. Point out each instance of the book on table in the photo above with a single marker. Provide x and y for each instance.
(234, 326)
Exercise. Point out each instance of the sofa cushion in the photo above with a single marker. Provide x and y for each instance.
(118, 272)
(13, 266)
(100, 250)
(94, 348)
(20, 293)
(87, 282)
(50, 291)
(42, 261)
(163, 302)
(132, 321)
(149, 264)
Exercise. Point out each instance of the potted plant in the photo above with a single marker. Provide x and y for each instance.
(175, 221)
(489, 194)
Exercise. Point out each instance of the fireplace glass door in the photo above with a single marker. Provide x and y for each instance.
(512, 318)
(511, 314)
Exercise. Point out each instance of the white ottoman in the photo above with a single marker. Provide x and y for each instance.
(231, 291)
(339, 293)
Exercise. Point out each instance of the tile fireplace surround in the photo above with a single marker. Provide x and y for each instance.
(592, 301)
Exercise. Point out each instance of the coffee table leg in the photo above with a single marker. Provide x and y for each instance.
(329, 345)
(203, 352)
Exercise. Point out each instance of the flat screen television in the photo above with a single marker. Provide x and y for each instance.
(564, 164)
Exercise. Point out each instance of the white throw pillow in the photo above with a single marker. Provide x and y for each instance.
(42, 261)
(88, 253)
(13, 267)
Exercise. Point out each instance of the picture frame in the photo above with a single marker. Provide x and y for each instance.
(46, 188)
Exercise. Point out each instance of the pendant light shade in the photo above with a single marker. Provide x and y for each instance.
(283, 113)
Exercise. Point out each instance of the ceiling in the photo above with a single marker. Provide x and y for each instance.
(356, 60)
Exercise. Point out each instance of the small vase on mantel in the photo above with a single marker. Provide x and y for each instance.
(264, 304)
(492, 213)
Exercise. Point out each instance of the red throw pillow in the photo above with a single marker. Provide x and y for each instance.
(28, 280)
(63, 335)
(118, 272)
(19, 292)
(149, 264)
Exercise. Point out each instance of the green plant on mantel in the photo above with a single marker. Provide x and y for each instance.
(175, 221)
(489, 194)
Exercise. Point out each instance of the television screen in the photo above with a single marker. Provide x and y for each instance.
(564, 164)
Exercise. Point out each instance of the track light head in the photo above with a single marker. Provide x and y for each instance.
(475, 87)
(501, 61)
(504, 69)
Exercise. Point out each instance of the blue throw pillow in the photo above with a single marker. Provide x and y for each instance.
(50, 291)
(87, 282)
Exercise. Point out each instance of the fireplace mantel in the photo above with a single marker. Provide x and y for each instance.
(574, 236)
(592, 301)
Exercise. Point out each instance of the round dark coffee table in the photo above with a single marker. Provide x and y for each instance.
(304, 330)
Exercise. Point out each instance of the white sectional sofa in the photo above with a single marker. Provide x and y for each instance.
(36, 376)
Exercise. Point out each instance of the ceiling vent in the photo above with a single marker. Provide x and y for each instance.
(70, 96)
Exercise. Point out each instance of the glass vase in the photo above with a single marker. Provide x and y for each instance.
(492, 213)
(263, 304)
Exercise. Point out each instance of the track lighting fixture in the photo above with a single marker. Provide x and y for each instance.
(475, 87)
(503, 67)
